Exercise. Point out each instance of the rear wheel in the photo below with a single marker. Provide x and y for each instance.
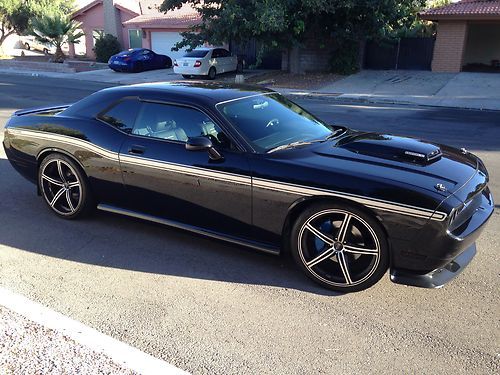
(64, 187)
(186, 76)
(340, 247)
(212, 73)
(27, 46)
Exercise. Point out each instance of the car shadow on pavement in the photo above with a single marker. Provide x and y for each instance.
(108, 240)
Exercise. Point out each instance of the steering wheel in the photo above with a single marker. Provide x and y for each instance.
(273, 122)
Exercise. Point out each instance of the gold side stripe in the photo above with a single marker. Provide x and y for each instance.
(66, 140)
(369, 202)
(179, 168)
(230, 177)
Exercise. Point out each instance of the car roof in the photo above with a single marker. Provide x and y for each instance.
(209, 93)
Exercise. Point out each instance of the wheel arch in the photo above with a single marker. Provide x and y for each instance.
(54, 150)
(302, 203)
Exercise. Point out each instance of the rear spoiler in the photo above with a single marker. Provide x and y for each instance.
(34, 110)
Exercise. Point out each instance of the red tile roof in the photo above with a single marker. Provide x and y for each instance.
(465, 9)
(151, 17)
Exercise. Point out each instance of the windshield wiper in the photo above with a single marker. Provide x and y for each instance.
(288, 145)
(303, 143)
(335, 133)
(291, 145)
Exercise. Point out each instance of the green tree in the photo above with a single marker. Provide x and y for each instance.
(56, 29)
(286, 23)
(16, 15)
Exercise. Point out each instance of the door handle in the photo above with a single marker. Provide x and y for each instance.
(136, 150)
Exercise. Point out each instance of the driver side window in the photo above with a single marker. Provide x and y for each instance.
(177, 123)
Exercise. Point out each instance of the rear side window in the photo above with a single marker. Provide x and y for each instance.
(122, 115)
(197, 53)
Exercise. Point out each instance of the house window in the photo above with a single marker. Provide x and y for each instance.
(134, 38)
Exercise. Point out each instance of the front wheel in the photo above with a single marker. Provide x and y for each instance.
(64, 187)
(27, 46)
(340, 247)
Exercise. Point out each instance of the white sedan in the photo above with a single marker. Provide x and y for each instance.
(206, 62)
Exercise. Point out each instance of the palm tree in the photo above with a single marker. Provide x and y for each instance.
(56, 29)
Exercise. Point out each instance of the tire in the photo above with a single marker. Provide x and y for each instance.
(239, 67)
(212, 73)
(45, 51)
(27, 46)
(64, 187)
(347, 260)
(168, 63)
(186, 76)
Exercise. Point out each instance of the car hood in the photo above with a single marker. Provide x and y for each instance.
(434, 167)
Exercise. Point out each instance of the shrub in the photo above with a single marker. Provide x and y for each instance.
(345, 59)
(106, 46)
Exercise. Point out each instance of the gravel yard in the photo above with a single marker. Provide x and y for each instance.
(29, 348)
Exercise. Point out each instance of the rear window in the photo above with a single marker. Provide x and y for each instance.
(197, 53)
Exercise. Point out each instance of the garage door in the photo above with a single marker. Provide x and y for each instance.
(163, 41)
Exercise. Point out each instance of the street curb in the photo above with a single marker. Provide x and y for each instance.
(123, 354)
(337, 97)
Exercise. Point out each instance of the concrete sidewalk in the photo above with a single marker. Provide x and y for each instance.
(462, 90)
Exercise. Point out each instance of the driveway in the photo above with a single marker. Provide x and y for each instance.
(464, 90)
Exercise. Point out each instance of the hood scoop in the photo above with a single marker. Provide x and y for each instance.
(390, 147)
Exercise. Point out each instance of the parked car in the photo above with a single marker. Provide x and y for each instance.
(248, 166)
(137, 60)
(207, 62)
(31, 43)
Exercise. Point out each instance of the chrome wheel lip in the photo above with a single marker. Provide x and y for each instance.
(316, 275)
(65, 188)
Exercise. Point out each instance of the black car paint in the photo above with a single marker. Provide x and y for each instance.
(244, 208)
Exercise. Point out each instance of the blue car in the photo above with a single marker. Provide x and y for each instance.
(138, 60)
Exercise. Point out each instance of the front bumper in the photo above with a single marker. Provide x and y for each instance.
(438, 277)
(447, 251)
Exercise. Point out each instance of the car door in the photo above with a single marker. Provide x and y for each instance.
(166, 180)
(229, 65)
(147, 59)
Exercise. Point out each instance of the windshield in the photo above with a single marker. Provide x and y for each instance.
(270, 121)
(197, 53)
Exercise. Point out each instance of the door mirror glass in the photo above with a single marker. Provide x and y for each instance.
(203, 143)
(198, 144)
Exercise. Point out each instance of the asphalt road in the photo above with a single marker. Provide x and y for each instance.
(209, 307)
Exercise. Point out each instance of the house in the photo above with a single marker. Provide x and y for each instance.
(468, 36)
(136, 23)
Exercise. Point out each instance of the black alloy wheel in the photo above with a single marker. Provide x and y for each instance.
(340, 247)
(64, 187)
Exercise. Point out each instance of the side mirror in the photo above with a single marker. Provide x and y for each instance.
(203, 143)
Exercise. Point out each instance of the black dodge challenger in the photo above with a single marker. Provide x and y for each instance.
(247, 165)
